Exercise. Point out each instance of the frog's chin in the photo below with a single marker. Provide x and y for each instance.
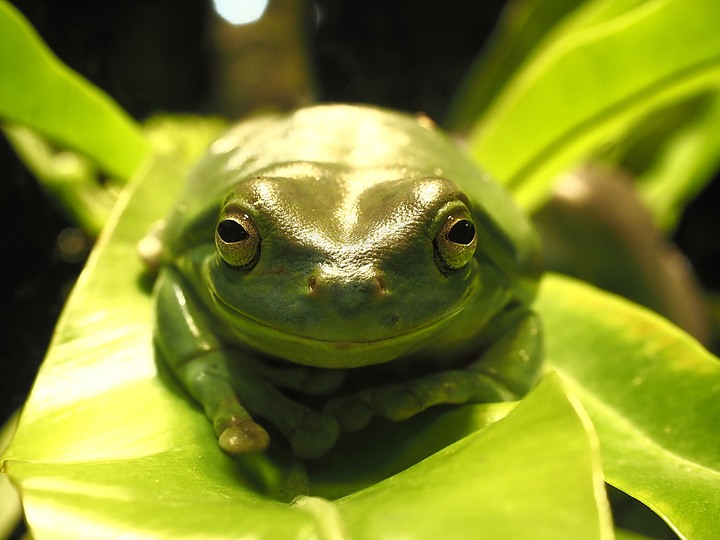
(327, 353)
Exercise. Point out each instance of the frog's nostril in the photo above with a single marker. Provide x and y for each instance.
(345, 294)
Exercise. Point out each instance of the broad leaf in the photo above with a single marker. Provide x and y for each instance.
(591, 83)
(652, 393)
(40, 92)
(507, 481)
(523, 28)
(673, 154)
(68, 177)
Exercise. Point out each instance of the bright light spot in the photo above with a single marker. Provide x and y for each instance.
(573, 188)
(240, 11)
(427, 192)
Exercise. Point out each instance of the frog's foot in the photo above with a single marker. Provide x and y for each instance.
(401, 401)
(233, 393)
(309, 432)
(306, 380)
(317, 434)
(515, 360)
(355, 411)
(505, 372)
(236, 431)
(243, 438)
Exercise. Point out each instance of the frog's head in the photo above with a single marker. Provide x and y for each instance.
(335, 267)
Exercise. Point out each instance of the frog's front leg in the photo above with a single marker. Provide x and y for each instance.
(506, 371)
(228, 382)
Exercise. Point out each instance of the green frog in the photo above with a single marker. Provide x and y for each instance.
(338, 263)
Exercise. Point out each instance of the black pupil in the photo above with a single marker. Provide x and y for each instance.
(462, 232)
(231, 231)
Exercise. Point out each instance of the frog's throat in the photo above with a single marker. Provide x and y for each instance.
(319, 352)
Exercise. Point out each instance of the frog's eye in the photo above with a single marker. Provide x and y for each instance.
(455, 242)
(237, 239)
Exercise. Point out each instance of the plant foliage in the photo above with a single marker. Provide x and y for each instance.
(109, 445)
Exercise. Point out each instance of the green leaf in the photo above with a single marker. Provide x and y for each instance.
(628, 535)
(673, 154)
(538, 463)
(652, 394)
(73, 179)
(523, 27)
(40, 92)
(69, 178)
(525, 30)
(597, 79)
(534, 464)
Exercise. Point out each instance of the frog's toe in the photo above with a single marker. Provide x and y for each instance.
(396, 402)
(307, 380)
(244, 438)
(352, 413)
(315, 436)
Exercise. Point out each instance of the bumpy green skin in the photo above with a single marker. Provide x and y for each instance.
(347, 300)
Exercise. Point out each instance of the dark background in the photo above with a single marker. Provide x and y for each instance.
(156, 56)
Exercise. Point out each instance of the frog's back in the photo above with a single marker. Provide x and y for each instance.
(353, 138)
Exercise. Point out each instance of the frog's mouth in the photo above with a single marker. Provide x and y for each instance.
(316, 351)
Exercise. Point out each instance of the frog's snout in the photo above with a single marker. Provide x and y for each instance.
(347, 295)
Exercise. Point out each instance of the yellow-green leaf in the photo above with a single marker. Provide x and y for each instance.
(39, 91)
(593, 82)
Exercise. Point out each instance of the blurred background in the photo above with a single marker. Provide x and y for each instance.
(181, 56)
